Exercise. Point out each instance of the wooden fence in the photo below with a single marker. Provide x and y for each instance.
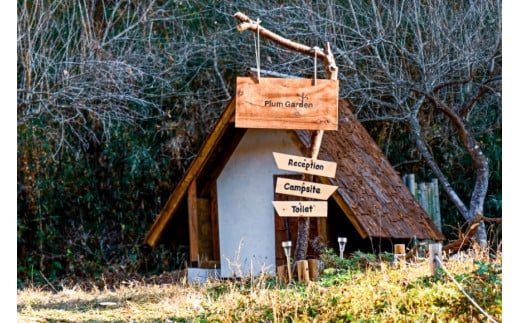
(427, 194)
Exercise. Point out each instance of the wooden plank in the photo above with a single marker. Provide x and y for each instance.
(305, 165)
(301, 208)
(279, 103)
(322, 229)
(303, 188)
(193, 224)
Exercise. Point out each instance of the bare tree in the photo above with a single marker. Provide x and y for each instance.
(76, 67)
(422, 63)
(93, 76)
(84, 66)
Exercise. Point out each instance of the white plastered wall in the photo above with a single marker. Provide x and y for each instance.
(245, 211)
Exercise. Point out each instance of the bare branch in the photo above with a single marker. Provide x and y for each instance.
(324, 55)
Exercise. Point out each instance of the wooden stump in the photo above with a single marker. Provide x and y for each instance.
(303, 270)
(282, 274)
(313, 269)
(399, 254)
(435, 254)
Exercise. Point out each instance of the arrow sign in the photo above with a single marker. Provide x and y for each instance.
(301, 208)
(302, 188)
(305, 165)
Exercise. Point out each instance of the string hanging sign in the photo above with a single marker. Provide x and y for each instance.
(286, 103)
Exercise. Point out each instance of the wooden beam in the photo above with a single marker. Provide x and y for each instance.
(214, 222)
(325, 55)
(193, 224)
(153, 236)
(322, 228)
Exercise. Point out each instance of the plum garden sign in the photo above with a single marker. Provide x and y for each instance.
(286, 103)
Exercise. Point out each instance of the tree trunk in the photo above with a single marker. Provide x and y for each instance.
(478, 159)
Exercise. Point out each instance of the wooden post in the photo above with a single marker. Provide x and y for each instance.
(283, 275)
(313, 269)
(193, 224)
(422, 196)
(399, 253)
(436, 204)
(303, 270)
(428, 199)
(435, 254)
(409, 181)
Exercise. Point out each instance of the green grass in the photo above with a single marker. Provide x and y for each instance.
(347, 291)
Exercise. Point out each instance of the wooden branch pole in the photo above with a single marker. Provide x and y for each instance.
(331, 71)
(325, 56)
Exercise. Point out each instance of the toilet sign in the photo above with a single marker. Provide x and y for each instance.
(286, 103)
(303, 189)
(301, 208)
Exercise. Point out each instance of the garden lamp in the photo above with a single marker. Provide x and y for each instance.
(287, 250)
(342, 242)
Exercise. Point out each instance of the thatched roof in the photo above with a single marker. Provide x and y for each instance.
(370, 192)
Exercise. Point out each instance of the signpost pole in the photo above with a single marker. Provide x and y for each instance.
(331, 71)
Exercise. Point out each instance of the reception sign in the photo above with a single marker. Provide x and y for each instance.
(305, 165)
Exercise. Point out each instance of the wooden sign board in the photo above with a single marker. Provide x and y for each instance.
(304, 189)
(280, 103)
(301, 208)
(305, 165)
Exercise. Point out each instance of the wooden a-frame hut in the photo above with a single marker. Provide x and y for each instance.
(222, 207)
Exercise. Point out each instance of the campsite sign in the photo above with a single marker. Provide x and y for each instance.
(304, 189)
(286, 103)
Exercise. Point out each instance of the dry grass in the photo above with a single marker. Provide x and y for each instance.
(386, 294)
(128, 302)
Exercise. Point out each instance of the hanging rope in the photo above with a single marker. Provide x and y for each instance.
(257, 47)
(464, 292)
(315, 64)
